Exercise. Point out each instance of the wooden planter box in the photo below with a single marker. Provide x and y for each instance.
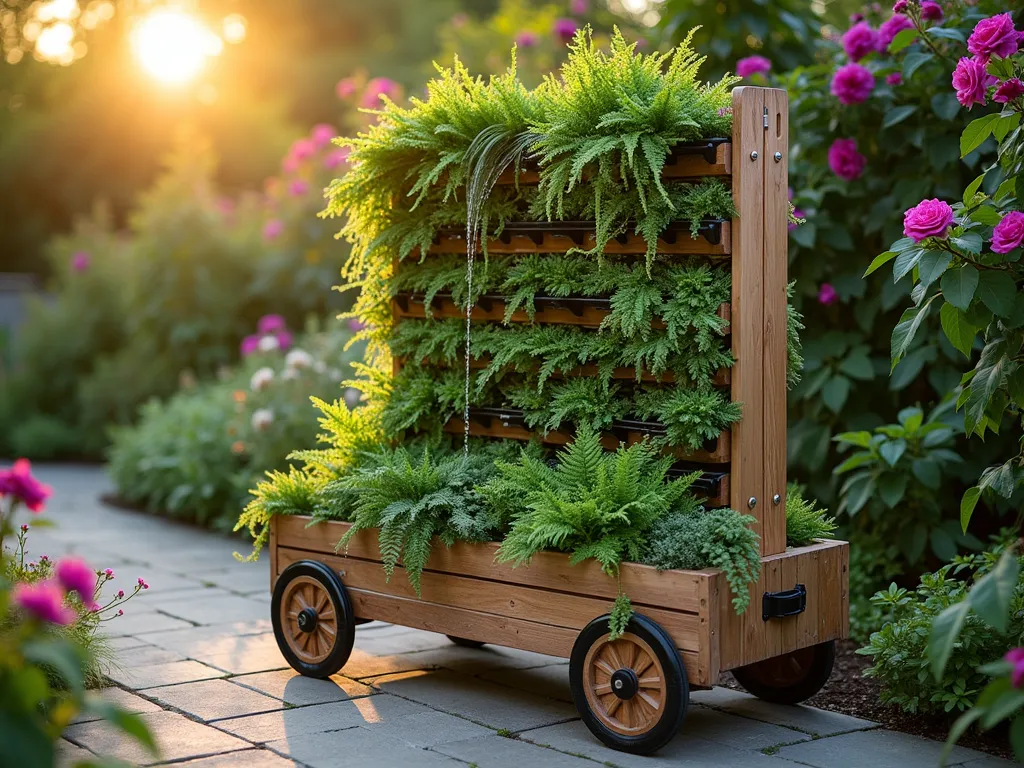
(542, 607)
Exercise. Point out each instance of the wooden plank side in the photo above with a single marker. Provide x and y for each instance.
(708, 657)
(671, 590)
(776, 260)
(633, 245)
(821, 568)
(272, 547)
(746, 479)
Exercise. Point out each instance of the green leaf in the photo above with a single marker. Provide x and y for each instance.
(967, 505)
(898, 114)
(858, 366)
(932, 265)
(1009, 702)
(1015, 386)
(914, 61)
(905, 263)
(892, 451)
(1017, 737)
(976, 132)
(904, 333)
(835, 392)
(860, 439)
(970, 242)
(945, 630)
(1004, 125)
(997, 290)
(1007, 189)
(892, 487)
(987, 377)
(972, 189)
(880, 260)
(60, 655)
(992, 594)
(947, 34)
(904, 39)
(927, 472)
(958, 286)
(958, 729)
(959, 332)
(945, 105)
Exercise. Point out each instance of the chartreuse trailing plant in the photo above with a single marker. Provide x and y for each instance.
(805, 520)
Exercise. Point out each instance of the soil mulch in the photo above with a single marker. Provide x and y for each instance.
(850, 693)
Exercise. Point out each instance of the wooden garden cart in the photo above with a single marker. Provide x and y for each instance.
(631, 692)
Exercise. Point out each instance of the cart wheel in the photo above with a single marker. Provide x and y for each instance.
(312, 618)
(465, 642)
(632, 692)
(790, 678)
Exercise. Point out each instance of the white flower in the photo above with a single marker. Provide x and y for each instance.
(320, 366)
(262, 419)
(289, 374)
(298, 358)
(261, 379)
(268, 344)
(335, 374)
(352, 396)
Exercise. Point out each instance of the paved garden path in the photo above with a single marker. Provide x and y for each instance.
(196, 656)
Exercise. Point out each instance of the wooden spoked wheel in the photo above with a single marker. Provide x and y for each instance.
(312, 617)
(789, 678)
(631, 692)
(625, 684)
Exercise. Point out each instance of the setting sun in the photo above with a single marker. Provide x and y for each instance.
(173, 46)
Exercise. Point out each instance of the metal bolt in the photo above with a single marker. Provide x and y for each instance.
(776, 499)
(753, 155)
(618, 685)
(752, 502)
(778, 157)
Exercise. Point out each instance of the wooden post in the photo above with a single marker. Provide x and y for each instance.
(758, 471)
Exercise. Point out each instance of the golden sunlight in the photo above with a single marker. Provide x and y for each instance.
(173, 46)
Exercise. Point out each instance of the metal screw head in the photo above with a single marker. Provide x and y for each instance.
(776, 499)
(753, 155)
(618, 684)
(778, 157)
(752, 502)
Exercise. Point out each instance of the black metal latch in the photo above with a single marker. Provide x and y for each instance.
(778, 605)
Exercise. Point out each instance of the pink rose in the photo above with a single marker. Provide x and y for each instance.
(526, 39)
(322, 134)
(336, 157)
(971, 82)
(929, 218)
(273, 229)
(80, 261)
(376, 89)
(44, 601)
(889, 29)
(1015, 657)
(753, 65)
(250, 345)
(345, 88)
(1008, 91)
(844, 159)
(852, 84)
(75, 576)
(1009, 232)
(931, 11)
(827, 294)
(271, 324)
(19, 483)
(565, 29)
(994, 36)
(900, 6)
(860, 40)
(894, 78)
(284, 339)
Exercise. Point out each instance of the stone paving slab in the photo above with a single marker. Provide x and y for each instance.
(817, 722)
(214, 699)
(126, 700)
(551, 681)
(154, 675)
(177, 737)
(249, 758)
(478, 700)
(427, 729)
(125, 642)
(140, 622)
(196, 641)
(255, 653)
(737, 732)
(147, 654)
(883, 749)
(240, 578)
(216, 609)
(500, 752)
(359, 747)
(69, 754)
(294, 689)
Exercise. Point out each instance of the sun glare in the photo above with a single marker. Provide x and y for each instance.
(173, 46)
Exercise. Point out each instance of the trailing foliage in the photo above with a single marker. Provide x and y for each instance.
(805, 520)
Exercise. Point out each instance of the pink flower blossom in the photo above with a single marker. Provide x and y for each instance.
(1009, 232)
(120, 612)
(642, 43)
(322, 134)
(899, 6)
(894, 78)
(336, 157)
(753, 65)
(80, 261)
(856, 17)
(844, 159)
(798, 214)
(142, 583)
(19, 483)
(302, 149)
(971, 82)
(109, 573)
(75, 576)
(1015, 658)
(827, 294)
(44, 601)
(273, 229)
(860, 40)
(1009, 91)
(889, 29)
(355, 325)
(565, 29)
(271, 324)
(250, 345)
(24, 528)
(284, 339)
(120, 594)
(931, 11)
(852, 84)
(578, 7)
(994, 36)
(345, 88)
(526, 39)
(376, 88)
(298, 187)
(929, 218)
(225, 206)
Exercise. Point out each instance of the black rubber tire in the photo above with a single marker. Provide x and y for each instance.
(465, 642)
(815, 668)
(345, 636)
(677, 697)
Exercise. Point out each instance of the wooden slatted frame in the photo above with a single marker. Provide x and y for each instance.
(634, 245)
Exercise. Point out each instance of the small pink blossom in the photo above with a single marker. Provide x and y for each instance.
(75, 576)
(142, 583)
(346, 88)
(753, 65)
(1009, 91)
(578, 7)
(44, 601)
(376, 88)
(298, 187)
(44, 559)
(284, 339)
(1015, 658)
(24, 528)
(899, 6)
(271, 324)
(322, 134)
(19, 483)
(120, 594)
(889, 29)
(994, 36)
(852, 84)
(250, 345)
(109, 573)
(302, 149)
(120, 612)
(931, 11)
(860, 40)
(356, 325)
(526, 39)
(856, 17)
(1009, 232)
(929, 218)
(336, 157)
(642, 43)
(844, 159)
(971, 82)
(827, 294)
(80, 261)
(894, 78)
(565, 29)
(273, 229)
